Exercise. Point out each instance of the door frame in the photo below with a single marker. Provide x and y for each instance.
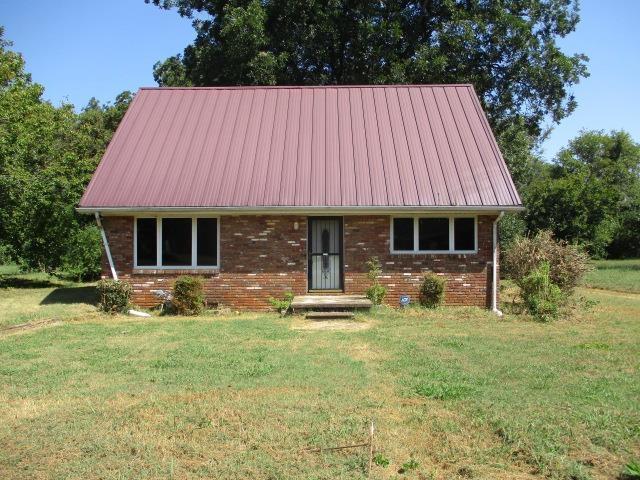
(340, 254)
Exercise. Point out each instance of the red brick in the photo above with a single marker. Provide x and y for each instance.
(252, 270)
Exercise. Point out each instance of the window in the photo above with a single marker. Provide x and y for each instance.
(176, 242)
(433, 234)
(403, 234)
(464, 233)
(207, 241)
(146, 248)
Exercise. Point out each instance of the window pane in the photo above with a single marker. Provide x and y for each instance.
(176, 241)
(433, 233)
(207, 241)
(403, 233)
(146, 241)
(464, 233)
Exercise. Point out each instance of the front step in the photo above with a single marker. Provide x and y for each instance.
(330, 302)
(328, 315)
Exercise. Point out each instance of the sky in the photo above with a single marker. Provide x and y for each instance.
(80, 49)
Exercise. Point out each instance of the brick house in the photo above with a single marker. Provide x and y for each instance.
(262, 190)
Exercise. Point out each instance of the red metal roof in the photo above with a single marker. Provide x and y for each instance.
(347, 146)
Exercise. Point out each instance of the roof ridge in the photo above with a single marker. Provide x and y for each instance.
(274, 87)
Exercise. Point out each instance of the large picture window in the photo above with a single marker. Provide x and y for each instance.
(433, 234)
(176, 242)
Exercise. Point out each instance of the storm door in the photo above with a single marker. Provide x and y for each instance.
(325, 253)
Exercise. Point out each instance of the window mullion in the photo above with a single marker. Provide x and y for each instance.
(135, 241)
(416, 234)
(194, 241)
(452, 237)
(159, 241)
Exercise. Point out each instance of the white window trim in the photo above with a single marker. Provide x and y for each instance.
(416, 235)
(194, 244)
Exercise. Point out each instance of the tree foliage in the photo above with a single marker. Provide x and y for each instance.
(47, 157)
(508, 50)
(591, 194)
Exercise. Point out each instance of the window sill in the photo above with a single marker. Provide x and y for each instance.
(176, 271)
(439, 252)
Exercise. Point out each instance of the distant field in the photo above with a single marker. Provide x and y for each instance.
(619, 275)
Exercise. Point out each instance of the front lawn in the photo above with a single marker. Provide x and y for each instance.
(456, 393)
(38, 297)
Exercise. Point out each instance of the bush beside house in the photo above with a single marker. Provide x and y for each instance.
(188, 295)
(432, 291)
(114, 296)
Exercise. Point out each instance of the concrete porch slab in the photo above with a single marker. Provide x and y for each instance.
(330, 302)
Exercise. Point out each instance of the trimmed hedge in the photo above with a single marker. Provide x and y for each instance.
(114, 296)
(432, 291)
(188, 295)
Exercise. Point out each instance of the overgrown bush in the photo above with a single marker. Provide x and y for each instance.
(375, 292)
(540, 295)
(188, 295)
(5, 254)
(432, 291)
(114, 296)
(283, 305)
(81, 261)
(567, 263)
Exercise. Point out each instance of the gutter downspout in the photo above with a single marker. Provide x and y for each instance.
(106, 246)
(494, 266)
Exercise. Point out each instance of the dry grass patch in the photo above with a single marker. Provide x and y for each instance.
(458, 391)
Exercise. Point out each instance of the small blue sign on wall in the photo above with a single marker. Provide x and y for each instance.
(405, 300)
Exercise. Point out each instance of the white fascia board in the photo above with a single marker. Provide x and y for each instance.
(318, 211)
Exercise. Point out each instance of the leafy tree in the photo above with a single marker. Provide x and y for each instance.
(47, 157)
(591, 194)
(506, 49)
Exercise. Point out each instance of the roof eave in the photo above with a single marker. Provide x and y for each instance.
(282, 210)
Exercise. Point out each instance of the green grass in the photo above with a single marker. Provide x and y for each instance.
(454, 393)
(619, 275)
(29, 297)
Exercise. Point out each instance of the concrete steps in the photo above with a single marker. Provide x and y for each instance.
(330, 303)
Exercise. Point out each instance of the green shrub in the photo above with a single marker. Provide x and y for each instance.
(283, 305)
(188, 295)
(81, 260)
(432, 291)
(568, 263)
(375, 292)
(114, 296)
(540, 295)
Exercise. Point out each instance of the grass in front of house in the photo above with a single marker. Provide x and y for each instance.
(457, 391)
(620, 275)
(32, 297)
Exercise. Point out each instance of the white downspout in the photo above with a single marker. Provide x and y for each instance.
(494, 266)
(106, 246)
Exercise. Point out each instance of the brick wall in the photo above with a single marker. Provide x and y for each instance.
(468, 276)
(264, 256)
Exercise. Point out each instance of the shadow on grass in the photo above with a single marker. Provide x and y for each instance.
(71, 295)
(21, 282)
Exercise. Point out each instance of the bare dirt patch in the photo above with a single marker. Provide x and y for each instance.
(304, 324)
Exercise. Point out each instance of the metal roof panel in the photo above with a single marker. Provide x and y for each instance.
(341, 146)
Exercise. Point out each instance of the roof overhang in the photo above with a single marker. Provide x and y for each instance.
(309, 210)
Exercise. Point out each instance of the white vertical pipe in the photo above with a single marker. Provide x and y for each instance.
(106, 246)
(494, 279)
